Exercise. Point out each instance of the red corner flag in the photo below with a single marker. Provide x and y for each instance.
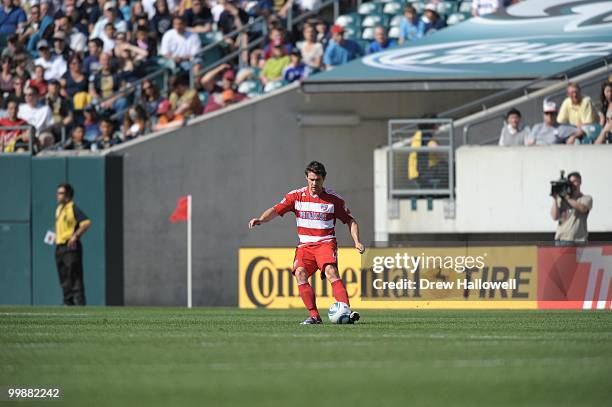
(180, 213)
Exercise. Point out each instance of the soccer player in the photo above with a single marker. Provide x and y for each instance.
(316, 210)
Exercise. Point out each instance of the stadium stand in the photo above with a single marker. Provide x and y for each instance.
(103, 57)
(94, 60)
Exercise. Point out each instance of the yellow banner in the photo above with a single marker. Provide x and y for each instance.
(448, 277)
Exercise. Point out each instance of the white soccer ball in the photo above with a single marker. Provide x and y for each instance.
(339, 313)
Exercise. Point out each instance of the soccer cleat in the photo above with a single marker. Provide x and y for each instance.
(354, 317)
(312, 321)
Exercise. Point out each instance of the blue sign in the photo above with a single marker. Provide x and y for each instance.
(531, 39)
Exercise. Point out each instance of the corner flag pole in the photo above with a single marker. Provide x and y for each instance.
(188, 251)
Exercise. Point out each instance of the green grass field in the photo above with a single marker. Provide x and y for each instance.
(230, 357)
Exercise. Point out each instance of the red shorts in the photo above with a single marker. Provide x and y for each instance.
(316, 256)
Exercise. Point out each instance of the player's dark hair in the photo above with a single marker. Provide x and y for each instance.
(316, 168)
(68, 188)
(574, 174)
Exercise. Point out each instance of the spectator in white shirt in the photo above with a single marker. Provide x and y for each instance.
(108, 38)
(110, 16)
(180, 45)
(77, 41)
(38, 115)
(484, 7)
(514, 132)
(55, 65)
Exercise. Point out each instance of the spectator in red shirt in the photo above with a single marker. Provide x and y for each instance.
(167, 118)
(38, 81)
(9, 137)
(226, 95)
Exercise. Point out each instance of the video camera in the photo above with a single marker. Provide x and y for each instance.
(561, 187)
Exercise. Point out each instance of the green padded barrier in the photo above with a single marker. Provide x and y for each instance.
(27, 265)
(15, 196)
(47, 174)
(15, 276)
(87, 176)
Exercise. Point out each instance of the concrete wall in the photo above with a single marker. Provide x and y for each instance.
(503, 190)
(236, 164)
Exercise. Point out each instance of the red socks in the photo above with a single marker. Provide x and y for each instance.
(308, 296)
(339, 292)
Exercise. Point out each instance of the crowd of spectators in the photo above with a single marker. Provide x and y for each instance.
(575, 121)
(67, 65)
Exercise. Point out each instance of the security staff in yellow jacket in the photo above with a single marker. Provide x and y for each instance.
(70, 224)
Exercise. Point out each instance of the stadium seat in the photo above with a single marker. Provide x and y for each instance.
(249, 87)
(396, 21)
(272, 86)
(418, 6)
(368, 33)
(352, 32)
(370, 8)
(592, 132)
(455, 18)
(393, 7)
(210, 37)
(152, 64)
(394, 32)
(346, 20)
(373, 20)
(203, 96)
(447, 8)
(465, 7)
(364, 44)
(217, 52)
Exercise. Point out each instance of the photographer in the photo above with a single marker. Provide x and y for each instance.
(571, 210)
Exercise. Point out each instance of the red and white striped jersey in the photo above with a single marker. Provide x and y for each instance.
(315, 215)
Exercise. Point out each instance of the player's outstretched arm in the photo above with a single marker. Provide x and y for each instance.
(267, 216)
(354, 228)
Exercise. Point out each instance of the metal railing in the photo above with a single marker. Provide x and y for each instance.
(521, 90)
(236, 53)
(4, 136)
(468, 127)
(246, 28)
(291, 22)
(422, 167)
(136, 86)
(556, 96)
